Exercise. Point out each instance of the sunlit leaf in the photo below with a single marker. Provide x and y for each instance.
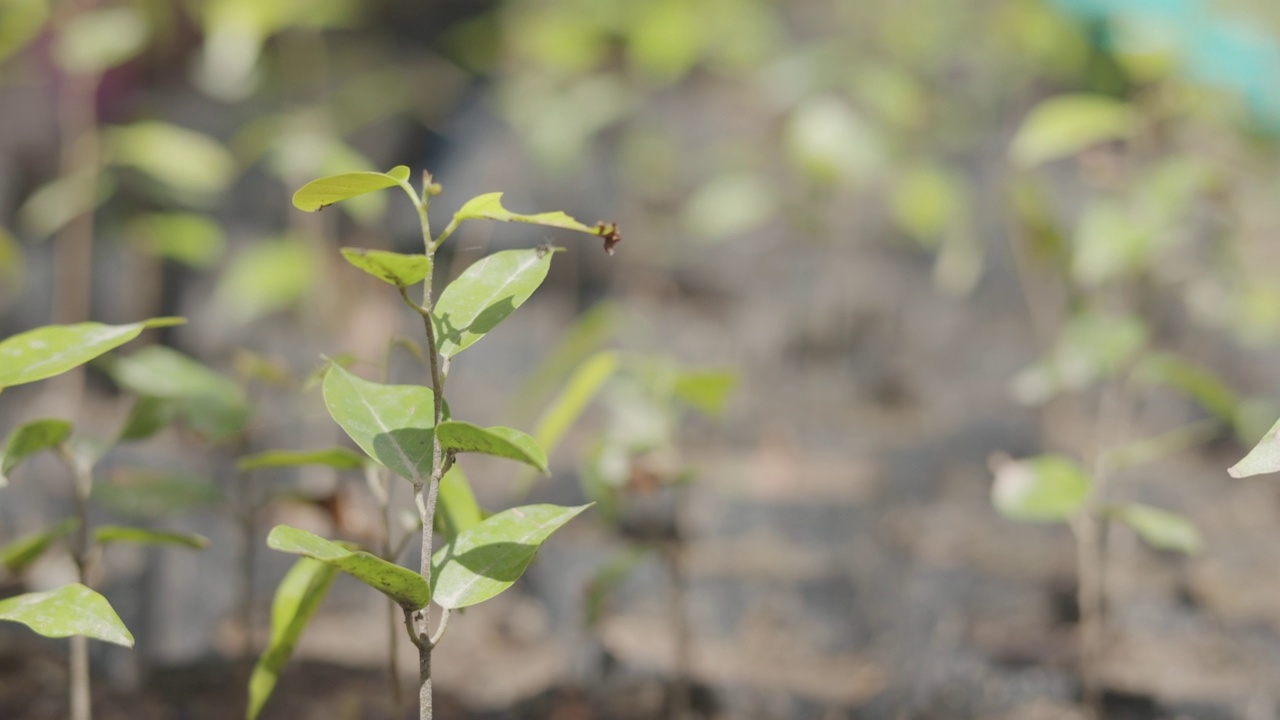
(487, 559)
(489, 207)
(1161, 529)
(1263, 458)
(831, 143)
(485, 294)
(97, 40)
(108, 534)
(174, 157)
(402, 585)
(730, 205)
(1046, 488)
(321, 193)
(28, 439)
(297, 598)
(706, 390)
(338, 457)
(393, 424)
(189, 238)
(54, 349)
(19, 554)
(392, 268)
(1067, 124)
(456, 508)
(266, 277)
(70, 610)
(578, 392)
(501, 442)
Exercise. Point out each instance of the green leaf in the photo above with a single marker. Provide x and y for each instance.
(730, 205)
(1194, 381)
(1046, 488)
(266, 277)
(393, 424)
(1091, 347)
(70, 610)
(297, 599)
(62, 200)
(456, 508)
(176, 158)
(499, 441)
(1161, 529)
(485, 294)
(210, 403)
(487, 559)
(54, 349)
(489, 207)
(21, 21)
(321, 193)
(149, 416)
(925, 201)
(152, 494)
(12, 267)
(19, 554)
(706, 391)
(29, 439)
(567, 407)
(392, 268)
(1263, 458)
(402, 585)
(1067, 124)
(107, 534)
(337, 457)
(189, 238)
(831, 143)
(98, 40)
(591, 331)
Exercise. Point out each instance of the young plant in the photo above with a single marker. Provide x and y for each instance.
(73, 610)
(409, 430)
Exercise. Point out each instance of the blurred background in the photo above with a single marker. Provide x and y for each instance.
(867, 245)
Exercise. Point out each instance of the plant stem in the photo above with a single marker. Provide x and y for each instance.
(81, 554)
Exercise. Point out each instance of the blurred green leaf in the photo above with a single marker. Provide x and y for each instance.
(393, 424)
(21, 21)
(1196, 382)
(21, 553)
(149, 416)
(321, 193)
(266, 277)
(1046, 488)
(297, 598)
(1161, 529)
(456, 508)
(1263, 458)
(95, 41)
(339, 458)
(208, 402)
(392, 268)
(402, 585)
(174, 157)
(609, 576)
(1092, 346)
(1067, 124)
(28, 439)
(831, 143)
(706, 391)
(501, 442)
(70, 610)
(485, 294)
(578, 392)
(488, 558)
(189, 238)
(730, 205)
(925, 201)
(13, 271)
(144, 493)
(592, 330)
(54, 349)
(666, 37)
(62, 200)
(108, 534)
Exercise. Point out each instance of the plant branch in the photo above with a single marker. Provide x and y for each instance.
(439, 633)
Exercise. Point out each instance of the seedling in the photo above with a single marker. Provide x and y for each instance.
(409, 430)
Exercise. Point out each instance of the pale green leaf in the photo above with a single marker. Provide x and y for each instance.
(54, 349)
(154, 494)
(321, 193)
(338, 457)
(393, 424)
(28, 439)
(94, 41)
(730, 205)
(489, 207)
(62, 200)
(1091, 347)
(189, 238)
(208, 402)
(1263, 458)
(19, 554)
(706, 391)
(402, 585)
(1067, 124)
(297, 599)
(149, 416)
(831, 143)
(266, 277)
(1161, 529)
(925, 201)
(175, 158)
(1046, 488)
(485, 294)
(487, 559)
(108, 534)
(578, 392)
(392, 268)
(501, 442)
(70, 610)
(591, 331)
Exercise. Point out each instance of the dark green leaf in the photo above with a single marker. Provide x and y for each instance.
(392, 268)
(108, 534)
(297, 599)
(321, 193)
(485, 294)
(70, 610)
(501, 442)
(19, 554)
(337, 457)
(29, 439)
(487, 559)
(392, 423)
(402, 585)
(54, 349)
(1046, 488)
